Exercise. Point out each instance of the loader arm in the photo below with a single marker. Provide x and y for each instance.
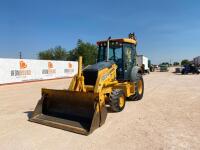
(77, 83)
(106, 78)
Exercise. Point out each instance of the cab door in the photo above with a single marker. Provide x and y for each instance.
(129, 59)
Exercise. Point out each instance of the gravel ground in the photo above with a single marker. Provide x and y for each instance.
(168, 117)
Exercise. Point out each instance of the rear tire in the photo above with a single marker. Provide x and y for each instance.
(117, 100)
(139, 89)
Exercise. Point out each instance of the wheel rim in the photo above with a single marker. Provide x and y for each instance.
(121, 101)
(140, 87)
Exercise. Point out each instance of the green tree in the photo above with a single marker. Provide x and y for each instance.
(46, 55)
(176, 63)
(57, 53)
(87, 50)
(185, 62)
(60, 53)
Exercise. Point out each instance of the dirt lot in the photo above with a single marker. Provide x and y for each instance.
(168, 117)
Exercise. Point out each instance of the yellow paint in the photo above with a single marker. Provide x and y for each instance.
(123, 40)
(121, 101)
(140, 87)
(105, 83)
(77, 83)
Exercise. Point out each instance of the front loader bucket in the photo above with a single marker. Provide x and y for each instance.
(78, 112)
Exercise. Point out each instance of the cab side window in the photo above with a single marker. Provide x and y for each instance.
(128, 56)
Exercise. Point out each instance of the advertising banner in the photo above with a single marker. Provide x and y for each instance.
(21, 70)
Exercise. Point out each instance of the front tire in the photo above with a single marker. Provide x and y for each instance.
(117, 100)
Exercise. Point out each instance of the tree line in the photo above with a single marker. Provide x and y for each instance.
(87, 50)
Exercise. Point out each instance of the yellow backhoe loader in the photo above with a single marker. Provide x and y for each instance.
(83, 106)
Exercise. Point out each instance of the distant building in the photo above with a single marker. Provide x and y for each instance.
(196, 61)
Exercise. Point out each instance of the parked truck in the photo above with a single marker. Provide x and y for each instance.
(142, 62)
(190, 68)
(164, 68)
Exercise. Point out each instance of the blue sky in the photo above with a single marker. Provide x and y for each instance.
(165, 30)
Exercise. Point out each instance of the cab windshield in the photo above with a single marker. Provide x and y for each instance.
(115, 53)
(123, 54)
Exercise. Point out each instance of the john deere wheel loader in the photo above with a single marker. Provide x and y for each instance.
(109, 82)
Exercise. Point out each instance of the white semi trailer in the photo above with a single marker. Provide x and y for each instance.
(142, 60)
(196, 61)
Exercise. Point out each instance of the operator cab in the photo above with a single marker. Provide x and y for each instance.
(122, 52)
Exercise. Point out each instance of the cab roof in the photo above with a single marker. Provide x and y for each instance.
(123, 40)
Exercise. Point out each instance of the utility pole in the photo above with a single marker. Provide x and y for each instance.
(20, 55)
